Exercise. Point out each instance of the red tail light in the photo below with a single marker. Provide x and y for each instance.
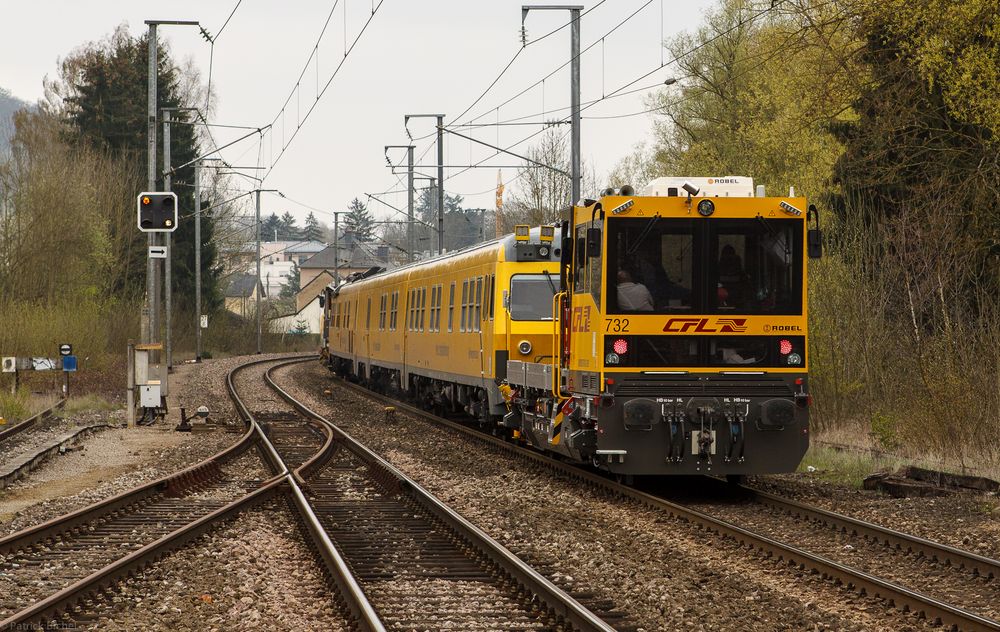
(620, 346)
(785, 346)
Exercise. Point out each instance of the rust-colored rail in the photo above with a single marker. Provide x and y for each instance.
(404, 509)
(70, 601)
(21, 426)
(857, 580)
(977, 565)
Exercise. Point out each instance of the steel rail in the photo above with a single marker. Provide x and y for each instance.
(67, 600)
(553, 597)
(863, 583)
(978, 565)
(172, 483)
(21, 426)
(361, 609)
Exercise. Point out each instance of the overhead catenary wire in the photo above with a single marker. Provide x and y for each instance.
(632, 82)
(294, 92)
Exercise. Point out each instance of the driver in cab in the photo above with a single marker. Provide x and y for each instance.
(632, 296)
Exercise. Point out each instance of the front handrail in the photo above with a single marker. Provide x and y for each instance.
(557, 351)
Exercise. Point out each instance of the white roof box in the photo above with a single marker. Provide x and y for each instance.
(722, 186)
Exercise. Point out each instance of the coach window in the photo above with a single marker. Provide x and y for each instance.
(479, 302)
(486, 298)
(416, 307)
(451, 307)
(423, 306)
(368, 314)
(493, 293)
(437, 306)
(381, 313)
(393, 311)
(465, 303)
(409, 310)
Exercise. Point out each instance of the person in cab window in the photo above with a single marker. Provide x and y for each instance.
(633, 297)
(731, 278)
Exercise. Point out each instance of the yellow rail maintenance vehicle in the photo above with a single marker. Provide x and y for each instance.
(681, 333)
(441, 331)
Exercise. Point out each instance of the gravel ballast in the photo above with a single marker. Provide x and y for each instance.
(255, 573)
(115, 461)
(664, 573)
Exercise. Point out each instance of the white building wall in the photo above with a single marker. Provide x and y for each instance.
(312, 314)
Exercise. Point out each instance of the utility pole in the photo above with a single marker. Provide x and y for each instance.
(440, 171)
(167, 285)
(257, 286)
(440, 144)
(150, 312)
(147, 310)
(433, 201)
(197, 261)
(336, 246)
(409, 204)
(574, 88)
(409, 195)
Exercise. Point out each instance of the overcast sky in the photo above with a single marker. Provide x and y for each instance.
(429, 56)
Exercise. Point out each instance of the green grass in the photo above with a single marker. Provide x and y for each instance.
(86, 403)
(845, 467)
(14, 407)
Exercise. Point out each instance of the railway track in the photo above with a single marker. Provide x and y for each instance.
(420, 563)
(954, 576)
(9, 432)
(895, 594)
(57, 573)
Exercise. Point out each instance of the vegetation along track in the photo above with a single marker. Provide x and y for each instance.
(980, 573)
(421, 564)
(56, 572)
(7, 433)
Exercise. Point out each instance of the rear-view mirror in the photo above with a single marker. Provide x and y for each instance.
(593, 242)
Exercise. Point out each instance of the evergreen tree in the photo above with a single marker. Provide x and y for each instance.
(359, 220)
(270, 227)
(102, 88)
(312, 231)
(288, 231)
(455, 222)
(290, 289)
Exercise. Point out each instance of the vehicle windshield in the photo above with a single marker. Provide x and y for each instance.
(531, 297)
(698, 266)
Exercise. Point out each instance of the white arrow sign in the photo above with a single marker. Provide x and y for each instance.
(157, 252)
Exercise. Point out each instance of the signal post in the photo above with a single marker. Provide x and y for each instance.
(156, 212)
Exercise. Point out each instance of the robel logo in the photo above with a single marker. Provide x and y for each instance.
(722, 181)
(703, 326)
(777, 328)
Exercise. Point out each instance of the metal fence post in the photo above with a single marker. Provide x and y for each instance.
(130, 381)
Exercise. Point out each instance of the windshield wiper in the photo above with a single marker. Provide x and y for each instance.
(643, 234)
(548, 277)
(766, 223)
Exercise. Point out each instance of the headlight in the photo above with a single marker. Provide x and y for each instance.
(543, 251)
(706, 207)
(794, 358)
(612, 358)
(524, 347)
